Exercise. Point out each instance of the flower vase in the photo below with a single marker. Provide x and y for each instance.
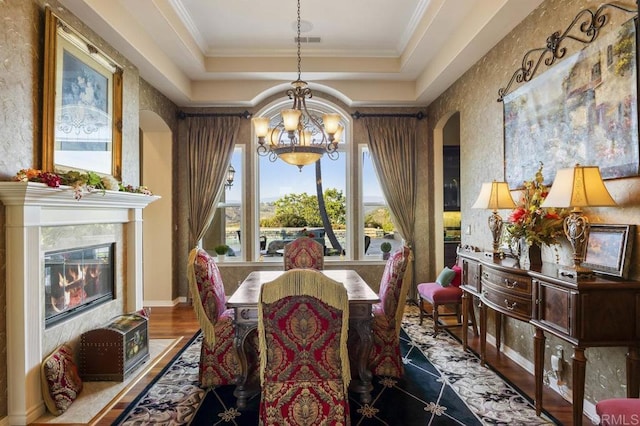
(530, 255)
(221, 258)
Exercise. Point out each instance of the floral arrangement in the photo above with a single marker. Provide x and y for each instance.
(528, 220)
(81, 182)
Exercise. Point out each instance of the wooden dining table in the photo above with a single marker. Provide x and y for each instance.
(244, 301)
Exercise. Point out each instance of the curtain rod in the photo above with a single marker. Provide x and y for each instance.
(418, 115)
(182, 115)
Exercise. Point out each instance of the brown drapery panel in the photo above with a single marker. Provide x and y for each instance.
(392, 142)
(210, 143)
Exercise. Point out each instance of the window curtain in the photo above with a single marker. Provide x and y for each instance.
(210, 143)
(392, 143)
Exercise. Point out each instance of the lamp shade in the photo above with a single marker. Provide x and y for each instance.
(494, 195)
(579, 186)
(261, 126)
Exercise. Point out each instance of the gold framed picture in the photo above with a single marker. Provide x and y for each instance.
(82, 117)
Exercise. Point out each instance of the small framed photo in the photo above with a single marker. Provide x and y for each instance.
(608, 249)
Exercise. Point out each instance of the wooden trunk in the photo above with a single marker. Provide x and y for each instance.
(112, 352)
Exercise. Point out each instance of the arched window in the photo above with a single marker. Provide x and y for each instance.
(288, 203)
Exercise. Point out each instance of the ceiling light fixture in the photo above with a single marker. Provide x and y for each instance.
(298, 138)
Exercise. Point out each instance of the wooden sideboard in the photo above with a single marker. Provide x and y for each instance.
(598, 312)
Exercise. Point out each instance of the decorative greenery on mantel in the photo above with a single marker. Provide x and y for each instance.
(80, 182)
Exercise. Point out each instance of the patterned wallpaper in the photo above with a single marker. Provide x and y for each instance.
(481, 123)
(21, 50)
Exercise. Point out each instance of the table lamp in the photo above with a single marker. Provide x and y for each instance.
(577, 187)
(495, 195)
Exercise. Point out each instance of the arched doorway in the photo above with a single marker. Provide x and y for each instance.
(447, 188)
(156, 173)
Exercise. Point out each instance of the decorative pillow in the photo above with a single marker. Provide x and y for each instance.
(457, 280)
(446, 276)
(61, 383)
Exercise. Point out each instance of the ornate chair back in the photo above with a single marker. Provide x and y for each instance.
(303, 320)
(385, 357)
(303, 252)
(218, 360)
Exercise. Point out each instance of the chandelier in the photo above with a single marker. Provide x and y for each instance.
(298, 138)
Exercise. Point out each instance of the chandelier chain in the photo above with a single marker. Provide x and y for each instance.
(298, 40)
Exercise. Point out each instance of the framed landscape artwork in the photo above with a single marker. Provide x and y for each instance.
(609, 249)
(582, 110)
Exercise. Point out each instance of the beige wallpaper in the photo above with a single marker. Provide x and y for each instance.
(21, 64)
(481, 131)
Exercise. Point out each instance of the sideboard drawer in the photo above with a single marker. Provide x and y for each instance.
(519, 285)
(509, 303)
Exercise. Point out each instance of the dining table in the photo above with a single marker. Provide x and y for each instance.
(244, 302)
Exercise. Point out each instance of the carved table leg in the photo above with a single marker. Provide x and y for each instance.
(242, 391)
(360, 319)
(579, 366)
(498, 317)
(465, 318)
(633, 372)
(538, 367)
(483, 333)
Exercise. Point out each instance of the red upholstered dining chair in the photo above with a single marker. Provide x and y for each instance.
(303, 252)
(218, 360)
(303, 319)
(445, 291)
(385, 358)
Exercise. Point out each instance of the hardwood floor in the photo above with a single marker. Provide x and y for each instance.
(164, 323)
(180, 322)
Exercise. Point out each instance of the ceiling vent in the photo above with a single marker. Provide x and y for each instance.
(307, 39)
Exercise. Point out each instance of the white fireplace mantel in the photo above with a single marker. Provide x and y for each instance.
(30, 206)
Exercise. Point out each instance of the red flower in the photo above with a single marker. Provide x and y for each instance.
(518, 215)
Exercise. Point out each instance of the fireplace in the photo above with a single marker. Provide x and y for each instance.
(76, 280)
(44, 223)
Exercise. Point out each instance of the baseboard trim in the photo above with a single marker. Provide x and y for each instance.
(589, 409)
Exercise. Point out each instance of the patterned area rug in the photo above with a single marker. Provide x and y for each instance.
(443, 385)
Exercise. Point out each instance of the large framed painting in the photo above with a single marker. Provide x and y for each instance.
(82, 120)
(582, 110)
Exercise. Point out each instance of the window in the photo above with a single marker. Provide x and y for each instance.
(226, 227)
(288, 203)
(376, 217)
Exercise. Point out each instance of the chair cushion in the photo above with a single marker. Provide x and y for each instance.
(61, 383)
(446, 276)
(435, 293)
(612, 410)
(457, 280)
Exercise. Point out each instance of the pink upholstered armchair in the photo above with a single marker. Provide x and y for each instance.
(385, 358)
(302, 329)
(218, 360)
(444, 291)
(303, 252)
